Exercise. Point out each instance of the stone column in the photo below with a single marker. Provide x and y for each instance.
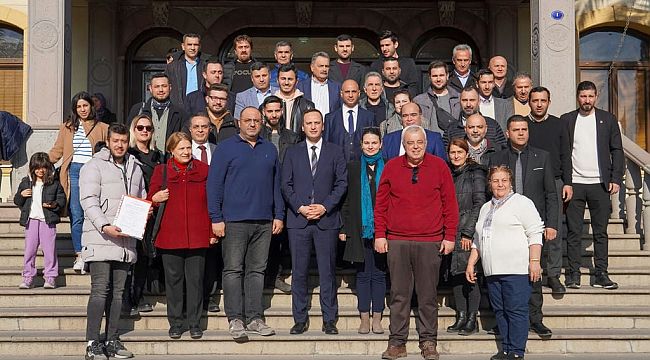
(102, 40)
(553, 50)
(48, 78)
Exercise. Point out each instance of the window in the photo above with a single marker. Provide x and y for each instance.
(11, 70)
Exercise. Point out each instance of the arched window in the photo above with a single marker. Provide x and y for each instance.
(626, 90)
(11, 69)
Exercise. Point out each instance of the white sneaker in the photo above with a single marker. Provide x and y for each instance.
(78, 264)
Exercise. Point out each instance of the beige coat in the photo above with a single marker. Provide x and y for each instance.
(63, 149)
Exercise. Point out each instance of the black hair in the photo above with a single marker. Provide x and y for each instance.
(117, 128)
(387, 34)
(401, 92)
(272, 99)
(344, 37)
(586, 85)
(515, 118)
(41, 160)
(309, 111)
(539, 89)
(484, 72)
(74, 120)
(373, 130)
(258, 65)
(287, 67)
(211, 60)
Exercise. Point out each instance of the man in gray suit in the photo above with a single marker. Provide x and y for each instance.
(261, 89)
(496, 108)
(343, 67)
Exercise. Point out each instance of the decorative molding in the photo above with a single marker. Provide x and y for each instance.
(447, 12)
(160, 13)
(303, 13)
(534, 42)
(44, 35)
(479, 12)
(206, 15)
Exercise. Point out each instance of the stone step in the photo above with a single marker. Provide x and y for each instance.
(556, 317)
(626, 295)
(314, 342)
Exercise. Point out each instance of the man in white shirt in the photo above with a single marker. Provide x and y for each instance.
(496, 108)
(199, 131)
(322, 91)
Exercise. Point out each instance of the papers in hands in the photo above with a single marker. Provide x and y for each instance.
(132, 216)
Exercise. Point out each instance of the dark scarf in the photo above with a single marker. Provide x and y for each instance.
(160, 105)
(367, 212)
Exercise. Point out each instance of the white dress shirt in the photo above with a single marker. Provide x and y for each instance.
(486, 106)
(355, 114)
(319, 145)
(320, 95)
(462, 78)
(196, 152)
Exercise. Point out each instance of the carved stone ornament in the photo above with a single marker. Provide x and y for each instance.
(534, 42)
(44, 35)
(160, 13)
(446, 11)
(303, 13)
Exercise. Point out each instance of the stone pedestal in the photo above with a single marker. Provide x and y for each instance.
(553, 50)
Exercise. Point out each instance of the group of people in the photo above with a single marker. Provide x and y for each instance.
(274, 163)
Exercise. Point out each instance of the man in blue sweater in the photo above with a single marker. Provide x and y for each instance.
(245, 216)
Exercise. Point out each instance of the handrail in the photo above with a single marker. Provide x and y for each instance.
(636, 154)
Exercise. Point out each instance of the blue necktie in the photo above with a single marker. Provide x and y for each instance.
(350, 122)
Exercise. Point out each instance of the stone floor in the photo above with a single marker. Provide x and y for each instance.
(612, 356)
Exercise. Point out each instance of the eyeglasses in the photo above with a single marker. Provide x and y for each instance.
(144, 127)
(414, 176)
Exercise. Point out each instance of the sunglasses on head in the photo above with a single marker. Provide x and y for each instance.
(414, 176)
(144, 127)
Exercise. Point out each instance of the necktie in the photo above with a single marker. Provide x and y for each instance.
(519, 181)
(314, 160)
(204, 154)
(350, 122)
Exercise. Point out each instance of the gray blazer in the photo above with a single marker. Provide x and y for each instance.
(247, 98)
(503, 109)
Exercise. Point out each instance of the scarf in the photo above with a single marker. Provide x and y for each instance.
(476, 154)
(367, 212)
(160, 105)
(496, 204)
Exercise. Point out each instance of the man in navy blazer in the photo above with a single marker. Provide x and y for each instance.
(412, 115)
(322, 91)
(344, 125)
(314, 181)
(260, 90)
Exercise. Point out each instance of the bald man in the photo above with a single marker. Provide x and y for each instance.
(502, 87)
(345, 124)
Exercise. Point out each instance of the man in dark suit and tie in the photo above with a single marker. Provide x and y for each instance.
(343, 68)
(596, 175)
(344, 125)
(412, 115)
(314, 181)
(321, 90)
(533, 178)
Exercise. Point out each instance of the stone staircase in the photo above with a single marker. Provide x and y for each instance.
(52, 322)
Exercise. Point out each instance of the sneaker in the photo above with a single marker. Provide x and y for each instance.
(258, 326)
(501, 355)
(49, 284)
(603, 281)
(26, 285)
(133, 312)
(145, 307)
(78, 264)
(572, 281)
(115, 349)
(282, 286)
(95, 351)
(237, 330)
(514, 356)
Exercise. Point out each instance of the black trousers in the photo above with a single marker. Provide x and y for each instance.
(279, 257)
(184, 269)
(600, 206)
(213, 270)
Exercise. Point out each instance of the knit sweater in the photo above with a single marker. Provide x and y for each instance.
(426, 210)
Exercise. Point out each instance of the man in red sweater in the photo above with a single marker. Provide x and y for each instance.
(416, 216)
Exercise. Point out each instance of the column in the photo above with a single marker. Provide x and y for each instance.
(553, 50)
(102, 58)
(503, 33)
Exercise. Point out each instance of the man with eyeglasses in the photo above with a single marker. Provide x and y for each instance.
(212, 74)
(246, 208)
(416, 216)
(222, 123)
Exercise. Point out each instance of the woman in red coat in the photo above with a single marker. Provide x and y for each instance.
(185, 232)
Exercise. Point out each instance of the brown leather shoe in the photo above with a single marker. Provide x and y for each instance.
(429, 351)
(394, 352)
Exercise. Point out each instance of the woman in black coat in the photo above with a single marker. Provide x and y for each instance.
(470, 180)
(358, 230)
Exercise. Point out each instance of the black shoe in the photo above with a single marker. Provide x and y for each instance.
(541, 330)
(471, 326)
(145, 307)
(114, 348)
(196, 332)
(299, 328)
(513, 356)
(213, 307)
(461, 319)
(556, 286)
(329, 328)
(603, 281)
(494, 330)
(572, 281)
(175, 332)
(134, 312)
(95, 351)
(282, 286)
(500, 356)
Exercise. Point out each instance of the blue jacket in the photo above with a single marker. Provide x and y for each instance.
(392, 142)
(247, 98)
(333, 89)
(13, 134)
(328, 186)
(335, 132)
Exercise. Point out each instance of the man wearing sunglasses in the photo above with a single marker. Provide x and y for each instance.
(416, 215)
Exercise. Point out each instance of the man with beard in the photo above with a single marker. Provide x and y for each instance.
(212, 74)
(480, 148)
(496, 108)
(167, 117)
(237, 73)
(222, 123)
(343, 67)
(440, 104)
(294, 104)
(503, 87)
(392, 72)
(388, 43)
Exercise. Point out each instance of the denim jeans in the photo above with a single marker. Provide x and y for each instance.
(107, 280)
(76, 212)
(371, 282)
(509, 296)
(245, 253)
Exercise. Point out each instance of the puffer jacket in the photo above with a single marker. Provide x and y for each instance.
(470, 182)
(101, 186)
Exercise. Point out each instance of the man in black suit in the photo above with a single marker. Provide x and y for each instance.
(388, 43)
(462, 76)
(343, 68)
(314, 181)
(533, 178)
(596, 176)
